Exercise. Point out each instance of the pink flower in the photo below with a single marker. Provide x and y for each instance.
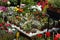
(22, 5)
(58, 35)
(4, 0)
(38, 4)
(3, 8)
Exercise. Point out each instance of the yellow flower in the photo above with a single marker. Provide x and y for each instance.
(16, 9)
(17, 34)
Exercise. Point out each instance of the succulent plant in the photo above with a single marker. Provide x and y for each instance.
(27, 26)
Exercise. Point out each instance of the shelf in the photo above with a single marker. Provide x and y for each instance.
(33, 34)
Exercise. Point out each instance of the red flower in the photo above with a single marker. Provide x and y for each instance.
(39, 35)
(42, 3)
(55, 38)
(7, 25)
(47, 34)
(0, 25)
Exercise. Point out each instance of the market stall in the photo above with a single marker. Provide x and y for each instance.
(39, 20)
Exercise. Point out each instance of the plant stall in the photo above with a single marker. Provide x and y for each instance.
(28, 20)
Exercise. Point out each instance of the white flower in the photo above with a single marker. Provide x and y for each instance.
(22, 5)
(10, 30)
(39, 8)
(33, 7)
(8, 2)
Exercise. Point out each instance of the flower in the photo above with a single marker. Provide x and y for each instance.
(7, 25)
(16, 9)
(3, 8)
(0, 25)
(47, 34)
(39, 35)
(22, 5)
(4, 0)
(17, 34)
(42, 3)
(38, 4)
(55, 38)
(8, 2)
(20, 10)
(58, 35)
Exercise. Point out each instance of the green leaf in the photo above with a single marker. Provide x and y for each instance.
(55, 3)
(0, 20)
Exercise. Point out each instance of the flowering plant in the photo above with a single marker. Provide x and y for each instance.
(48, 34)
(0, 25)
(40, 37)
(15, 2)
(57, 37)
(3, 8)
(8, 25)
(9, 2)
(3, 2)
